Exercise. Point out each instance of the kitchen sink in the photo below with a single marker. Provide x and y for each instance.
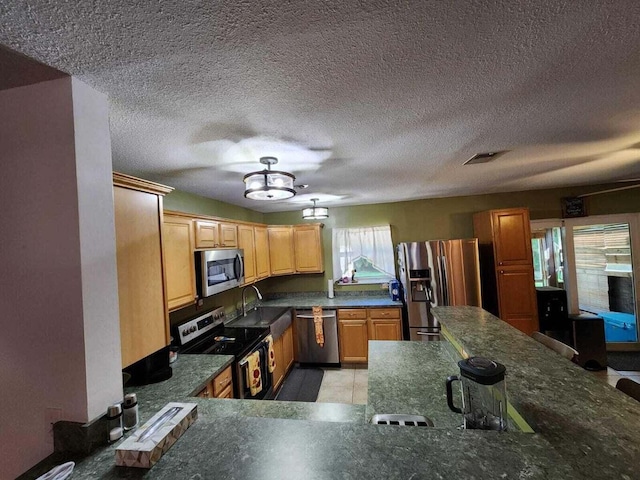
(277, 319)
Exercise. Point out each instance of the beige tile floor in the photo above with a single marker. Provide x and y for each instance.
(349, 385)
(344, 385)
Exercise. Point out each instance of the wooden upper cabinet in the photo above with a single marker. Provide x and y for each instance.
(144, 320)
(228, 235)
(508, 288)
(281, 251)
(206, 234)
(261, 237)
(307, 240)
(179, 262)
(512, 233)
(246, 241)
(210, 234)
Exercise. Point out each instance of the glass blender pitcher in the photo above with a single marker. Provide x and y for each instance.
(484, 395)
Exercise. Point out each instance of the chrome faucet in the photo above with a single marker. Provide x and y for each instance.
(244, 300)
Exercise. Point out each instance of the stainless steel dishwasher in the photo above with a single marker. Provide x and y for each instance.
(309, 352)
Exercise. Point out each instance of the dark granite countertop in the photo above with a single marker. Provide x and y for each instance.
(409, 378)
(247, 439)
(312, 299)
(591, 425)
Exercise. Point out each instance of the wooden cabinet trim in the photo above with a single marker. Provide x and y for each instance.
(134, 183)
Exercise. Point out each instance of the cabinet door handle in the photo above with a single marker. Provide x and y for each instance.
(502, 272)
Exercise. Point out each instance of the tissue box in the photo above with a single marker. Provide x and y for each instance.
(144, 447)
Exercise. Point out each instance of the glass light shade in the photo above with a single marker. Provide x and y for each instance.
(315, 213)
(269, 185)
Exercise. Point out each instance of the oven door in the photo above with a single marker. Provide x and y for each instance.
(242, 367)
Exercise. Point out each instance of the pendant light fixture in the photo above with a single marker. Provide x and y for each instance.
(315, 213)
(269, 184)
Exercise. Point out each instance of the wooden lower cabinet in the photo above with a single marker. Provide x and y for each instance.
(220, 387)
(283, 350)
(517, 300)
(287, 348)
(353, 338)
(356, 326)
(384, 324)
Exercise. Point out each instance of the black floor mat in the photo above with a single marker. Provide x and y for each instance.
(301, 385)
(624, 361)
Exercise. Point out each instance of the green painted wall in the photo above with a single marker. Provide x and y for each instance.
(190, 203)
(443, 218)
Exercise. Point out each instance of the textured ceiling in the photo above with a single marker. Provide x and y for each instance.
(368, 101)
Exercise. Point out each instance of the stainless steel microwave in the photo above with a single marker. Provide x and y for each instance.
(219, 270)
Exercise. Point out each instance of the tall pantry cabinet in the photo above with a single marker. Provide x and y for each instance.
(506, 262)
(144, 321)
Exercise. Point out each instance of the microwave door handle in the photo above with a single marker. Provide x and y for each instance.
(238, 266)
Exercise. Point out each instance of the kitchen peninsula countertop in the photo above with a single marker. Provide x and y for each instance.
(591, 425)
(341, 300)
(246, 439)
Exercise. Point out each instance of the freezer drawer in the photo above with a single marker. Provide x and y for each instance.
(308, 349)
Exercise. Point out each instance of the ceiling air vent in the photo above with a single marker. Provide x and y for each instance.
(484, 157)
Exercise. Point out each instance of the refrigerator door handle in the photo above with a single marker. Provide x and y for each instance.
(443, 280)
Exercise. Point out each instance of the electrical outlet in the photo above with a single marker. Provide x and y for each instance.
(51, 416)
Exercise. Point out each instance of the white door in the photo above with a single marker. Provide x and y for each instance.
(603, 274)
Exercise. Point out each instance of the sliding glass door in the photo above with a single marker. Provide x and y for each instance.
(597, 261)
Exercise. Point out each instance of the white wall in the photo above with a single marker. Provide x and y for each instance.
(97, 249)
(50, 309)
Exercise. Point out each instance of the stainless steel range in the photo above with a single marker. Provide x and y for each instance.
(207, 334)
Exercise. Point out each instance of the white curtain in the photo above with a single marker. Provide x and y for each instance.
(372, 243)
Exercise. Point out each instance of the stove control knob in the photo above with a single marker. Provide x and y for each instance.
(193, 329)
(185, 332)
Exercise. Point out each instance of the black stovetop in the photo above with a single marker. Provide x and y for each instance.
(226, 341)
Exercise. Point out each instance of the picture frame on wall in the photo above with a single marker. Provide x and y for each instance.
(573, 207)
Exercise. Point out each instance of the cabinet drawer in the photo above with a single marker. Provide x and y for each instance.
(349, 313)
(206, 392)
(226, 393)
(221, 382)
(384, 313)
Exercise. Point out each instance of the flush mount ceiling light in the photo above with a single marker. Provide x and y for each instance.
(315, 213)
(269, 184)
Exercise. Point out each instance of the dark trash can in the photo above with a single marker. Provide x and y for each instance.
(589, 341)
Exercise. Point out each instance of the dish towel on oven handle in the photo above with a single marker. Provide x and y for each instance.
(272, 354)
(254, 379)
(318, 323)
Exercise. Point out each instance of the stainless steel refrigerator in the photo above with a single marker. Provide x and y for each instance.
(436, 273)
